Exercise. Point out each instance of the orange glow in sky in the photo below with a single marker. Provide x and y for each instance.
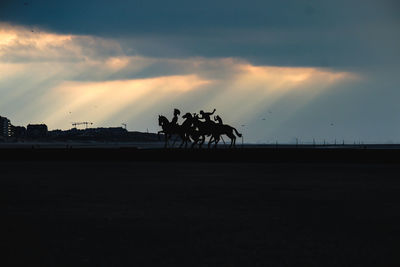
(73, 80)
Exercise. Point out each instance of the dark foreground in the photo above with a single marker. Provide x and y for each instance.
(114, 212)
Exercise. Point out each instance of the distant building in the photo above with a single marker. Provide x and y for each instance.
(5, 127)
(18, 131)
(36, 131)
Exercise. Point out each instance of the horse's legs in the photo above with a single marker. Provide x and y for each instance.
(216, 142)
(183, 141)
(210, 141)
(202, 141)
(176, 138)
(198, 140)
(233, 138)
(195, 140)
(187, 139)
(169, 137)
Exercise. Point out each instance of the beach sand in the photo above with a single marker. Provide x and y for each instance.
(154, 213)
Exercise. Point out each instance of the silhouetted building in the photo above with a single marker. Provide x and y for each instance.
(36, 130)
(18, 131)
(116, 134)
(5, 127)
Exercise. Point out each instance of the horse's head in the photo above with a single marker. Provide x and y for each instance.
(187, 116)
(162, 120)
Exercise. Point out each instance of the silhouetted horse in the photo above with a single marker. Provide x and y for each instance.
(221, 129)
(193, 128)
(187, 130)
(170, 128)
(192, 132)
(205, 128)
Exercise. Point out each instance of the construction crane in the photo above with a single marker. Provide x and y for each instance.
(86, 123)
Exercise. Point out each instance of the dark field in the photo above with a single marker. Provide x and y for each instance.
(109, 212)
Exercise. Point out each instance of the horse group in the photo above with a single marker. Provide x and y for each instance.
(196, 129)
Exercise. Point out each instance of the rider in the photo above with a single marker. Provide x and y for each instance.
(206, 115)
(177, 112)
(218, 119)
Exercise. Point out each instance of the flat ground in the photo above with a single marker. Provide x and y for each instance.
(110, 213)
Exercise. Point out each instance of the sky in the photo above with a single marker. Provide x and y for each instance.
(276, 70)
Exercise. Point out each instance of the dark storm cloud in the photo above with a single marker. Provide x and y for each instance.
(344, 34)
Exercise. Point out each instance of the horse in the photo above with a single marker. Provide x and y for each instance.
(192, 132)
(187, 131)
(205, 128)
(195, 129)
(221, 129)
(169, 128)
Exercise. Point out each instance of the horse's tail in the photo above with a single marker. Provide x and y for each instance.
(237, 133)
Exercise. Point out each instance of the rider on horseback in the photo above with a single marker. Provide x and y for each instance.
(174, 121)
(218, 119)
(206, 115)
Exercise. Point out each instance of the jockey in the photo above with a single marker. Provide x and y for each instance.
(177, 112)
(206, 115)
(218, 119)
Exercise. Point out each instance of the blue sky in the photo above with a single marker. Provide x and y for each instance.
(283, 69)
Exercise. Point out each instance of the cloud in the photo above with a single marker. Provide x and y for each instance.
(98, 101)
(59, 78)
(336, 34)
(22, 44)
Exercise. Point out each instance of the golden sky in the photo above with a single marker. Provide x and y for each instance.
(57, 79)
